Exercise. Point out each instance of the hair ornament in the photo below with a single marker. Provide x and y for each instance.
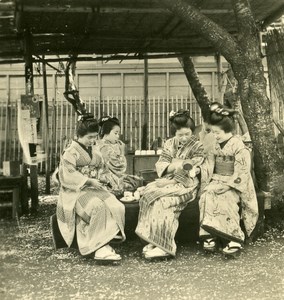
(217, 108)
(172, 113)
(108, 118)
(85, 117)
(104, 119)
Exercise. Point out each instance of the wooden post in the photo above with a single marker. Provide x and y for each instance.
(47, 171)
(28, 46)
(8, 132)
(146, 117)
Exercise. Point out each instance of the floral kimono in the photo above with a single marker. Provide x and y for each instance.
(95, 214)
(220, 213)
(160, 207)
(115, 160)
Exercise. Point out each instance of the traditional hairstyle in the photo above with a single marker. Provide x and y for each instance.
(106, 124)
(181, 119)
(87, 125)
(222, 117)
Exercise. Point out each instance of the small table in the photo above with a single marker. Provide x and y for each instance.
(144, 162)
(16, 185)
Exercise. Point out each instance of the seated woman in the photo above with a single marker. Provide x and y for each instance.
(85, 208)
(230, 194)
(164, 199)
(113, 150)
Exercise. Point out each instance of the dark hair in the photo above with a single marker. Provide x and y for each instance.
(181, 119)
(107, 123)
(222, 117)
(86, 126)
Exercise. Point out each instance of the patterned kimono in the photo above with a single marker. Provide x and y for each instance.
(160, 207)
(113, 155)
(220, 213)
(95, 214)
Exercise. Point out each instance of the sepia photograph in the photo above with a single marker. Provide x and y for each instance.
(141, 149)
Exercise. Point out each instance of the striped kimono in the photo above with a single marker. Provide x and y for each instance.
(94, 214)
(220, 214)
(160, 207)
(115, 160)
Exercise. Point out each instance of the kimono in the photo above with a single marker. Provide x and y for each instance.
(94, 214)
(115, 160)
(160, 207)
(220, 214)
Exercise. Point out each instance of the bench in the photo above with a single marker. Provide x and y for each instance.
(15, 186)
(188, 230)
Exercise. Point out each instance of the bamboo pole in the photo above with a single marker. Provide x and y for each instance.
(140, 124)
(126, 119)
(154, 119)
(149, 122)
(159, 119)
(135, 123)
(164, 135)
(131, 123)
(122, 116)
(146, 109)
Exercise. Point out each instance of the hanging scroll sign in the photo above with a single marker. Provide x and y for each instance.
(28, 112)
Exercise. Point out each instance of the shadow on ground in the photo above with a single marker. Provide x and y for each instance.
(31, 269)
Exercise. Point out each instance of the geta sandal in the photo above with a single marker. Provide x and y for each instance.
(209, 245)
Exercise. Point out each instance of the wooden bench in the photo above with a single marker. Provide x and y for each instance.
(188, 230)
(15, 186)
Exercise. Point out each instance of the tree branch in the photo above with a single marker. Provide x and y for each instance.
(220, 39)
(196, 86)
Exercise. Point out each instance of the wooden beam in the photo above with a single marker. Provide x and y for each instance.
(46, 134)
(111, 10)
(8, 6)
(28, 50)
(2, 17)
(208, 51)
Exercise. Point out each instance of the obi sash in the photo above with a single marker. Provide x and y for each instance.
(224, 165)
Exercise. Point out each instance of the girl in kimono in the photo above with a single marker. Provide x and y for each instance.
(113, 152)
(86, 210)
(164, 199)
(229, 193)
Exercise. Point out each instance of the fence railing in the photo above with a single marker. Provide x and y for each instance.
(62, 122)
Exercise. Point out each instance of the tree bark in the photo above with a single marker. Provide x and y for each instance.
(197, 88)
(244, 56)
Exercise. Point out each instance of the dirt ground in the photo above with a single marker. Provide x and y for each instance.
(31, 269)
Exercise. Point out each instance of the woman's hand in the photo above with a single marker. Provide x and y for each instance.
(176, 164)
(217, 188)
(161, 182)
(94, 183)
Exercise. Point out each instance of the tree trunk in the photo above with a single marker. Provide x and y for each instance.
(245, 59)
(196, 86)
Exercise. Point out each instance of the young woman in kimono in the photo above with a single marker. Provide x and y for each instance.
(229, 193)
(113, 152)
(85, 208)
(164, 199)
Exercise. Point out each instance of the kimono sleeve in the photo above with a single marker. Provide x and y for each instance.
(113, 158)
(165, 159)
(69, 177)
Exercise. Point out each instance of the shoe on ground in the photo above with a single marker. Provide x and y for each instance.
(107, 253)
(232, 248)
(209, 245)
(148, 248)
(156, 253)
